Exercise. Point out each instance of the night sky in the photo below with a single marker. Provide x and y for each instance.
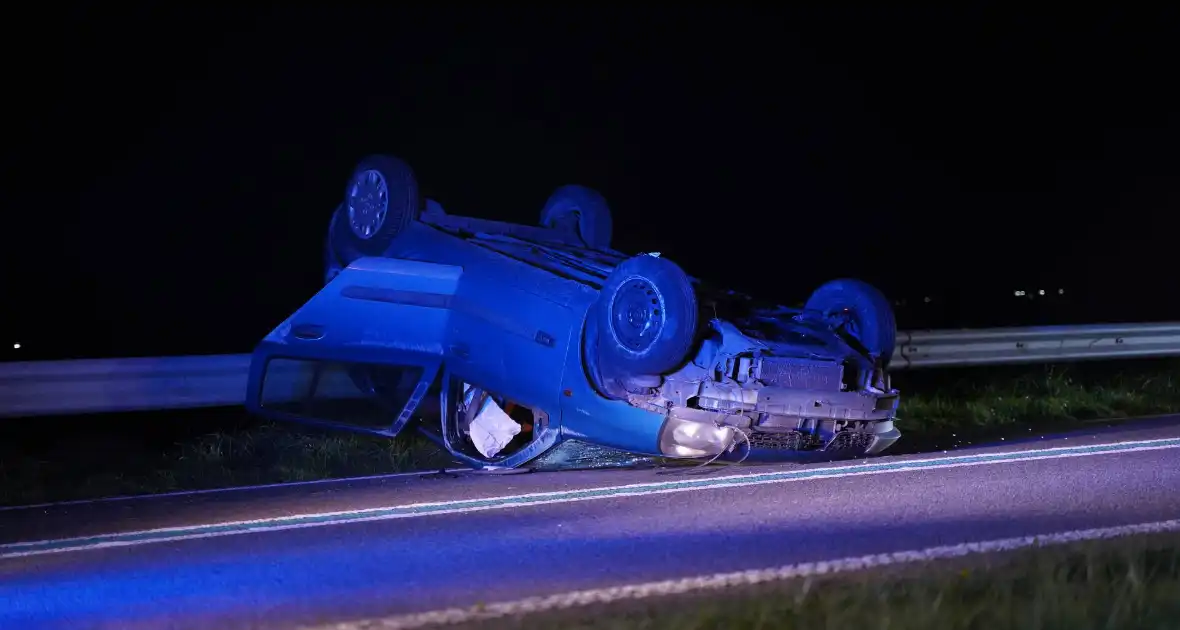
(171, 173)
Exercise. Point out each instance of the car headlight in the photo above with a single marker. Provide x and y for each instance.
(688, 438)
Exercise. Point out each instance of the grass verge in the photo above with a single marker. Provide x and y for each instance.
(55, 460)
(953, 407)
(1124, 583)
(131, 460)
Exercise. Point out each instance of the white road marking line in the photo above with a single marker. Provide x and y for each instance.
(460, 506)
(261, 486)
(719, 581)
(343, 480)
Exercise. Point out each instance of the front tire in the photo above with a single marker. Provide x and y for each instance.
(869, 315)
(647, 317)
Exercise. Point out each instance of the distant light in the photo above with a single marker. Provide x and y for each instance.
(1060, 291)
(1041, 292)
(926, 300)
(1018, 293)
(16, 346)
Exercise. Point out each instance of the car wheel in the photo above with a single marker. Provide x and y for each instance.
(647, 317)
(585, 205)
(380, 200)
(870, 317)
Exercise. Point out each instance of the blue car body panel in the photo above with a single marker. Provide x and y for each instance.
(448, 308)
(520, 311)
(382, 311)
(470, 310)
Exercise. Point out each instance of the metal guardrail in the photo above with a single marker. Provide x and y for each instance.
(36, 388)
(1038, 344)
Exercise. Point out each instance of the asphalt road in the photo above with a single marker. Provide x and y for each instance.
(280, 557)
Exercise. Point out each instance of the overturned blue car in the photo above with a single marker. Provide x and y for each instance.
(529, 346)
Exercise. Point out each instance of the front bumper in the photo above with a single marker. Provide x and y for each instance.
(799, 403)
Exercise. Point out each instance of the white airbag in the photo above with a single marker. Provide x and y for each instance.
(491, 429)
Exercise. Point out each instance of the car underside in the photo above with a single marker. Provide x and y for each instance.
(783, 379)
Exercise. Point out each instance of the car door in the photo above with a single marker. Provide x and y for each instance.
(361, 354)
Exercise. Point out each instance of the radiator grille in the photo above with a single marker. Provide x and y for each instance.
(802, 373)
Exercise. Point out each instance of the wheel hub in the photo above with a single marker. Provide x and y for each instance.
(368, 203)
(637, 315)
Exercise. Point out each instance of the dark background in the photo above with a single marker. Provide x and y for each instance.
(171, 172)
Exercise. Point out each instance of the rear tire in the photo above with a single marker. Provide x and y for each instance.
(380, 200)
(587, 207)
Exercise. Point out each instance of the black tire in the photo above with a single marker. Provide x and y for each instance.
(642, 293)
(592, 361)
(875, 327)
(367, 223)
(594, 220)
